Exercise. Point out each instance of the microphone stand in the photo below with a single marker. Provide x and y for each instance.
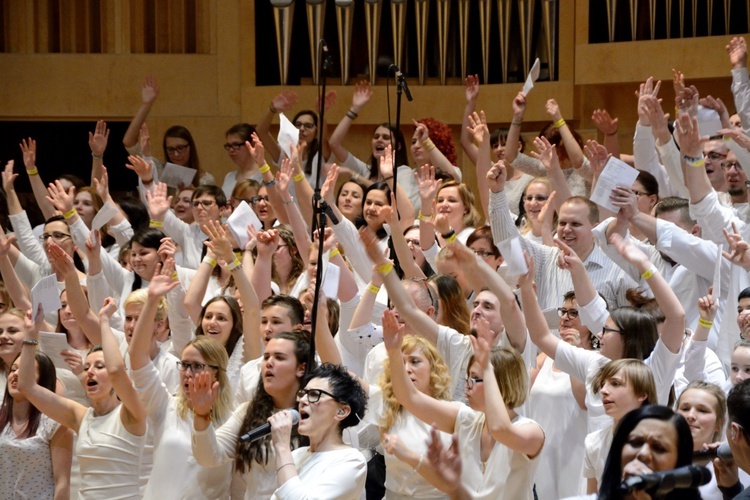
(321, 209)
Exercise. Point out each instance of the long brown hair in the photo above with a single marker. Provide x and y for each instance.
(47, 379)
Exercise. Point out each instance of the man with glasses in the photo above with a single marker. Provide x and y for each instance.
(736, 179)
(738, 409)
(208, 204)
(715, 151)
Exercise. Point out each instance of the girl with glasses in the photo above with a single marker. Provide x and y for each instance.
(535, 214)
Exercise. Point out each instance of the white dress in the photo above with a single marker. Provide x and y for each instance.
(171, 478)
(26, 464)
(336, 475)
(506, 475)
(597, 446)
(552, 405)
(109, 456)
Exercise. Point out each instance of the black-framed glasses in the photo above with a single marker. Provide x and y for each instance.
(205, 203)
(728, 165)
(194, 367)
(313, 395)
(257, 199)
(639, 193)
(714, 156)
(233, 146)
(307, 125)
(606, 329)
(536, 197)
(177, 149)
(572, 313)
(471, 381)
(55, 235)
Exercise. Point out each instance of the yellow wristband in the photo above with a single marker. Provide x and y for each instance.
(155, 223)
(333, 253)
(33, 171)
(705, 323)
(70, 213)
(385, 268)
(451, 238)
(648, 273)
(559, 123)
(208, 260)
(424, 217)
(372, 288)
(298, 177)
(234, 265)
(174, 276)
(428, 145)
(265, 168)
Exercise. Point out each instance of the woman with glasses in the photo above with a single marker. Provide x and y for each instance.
(646, 190)
(282, 370)
(532, 210)
(247, 167)
(245, 191)
(171, 415)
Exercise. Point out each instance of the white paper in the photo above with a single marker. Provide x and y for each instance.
(512, 253)
(717, 273)
(287, 133)
(175, 175)
(531, 78)
(52, 344)
(238, 221)
(104, 215)
(615, 173)
(45, 292)
(709, 122)
(330, 286)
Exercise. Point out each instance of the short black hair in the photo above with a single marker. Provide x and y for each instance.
(738, 406)
(211, 190)
(291, 304)
(345, 388)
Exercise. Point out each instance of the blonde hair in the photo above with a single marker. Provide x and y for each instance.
(213, 353)
(721, 404)
(471, 218)
(526, 224)
(510, 373)
(440, 379)
(636, 372)
(140, 297)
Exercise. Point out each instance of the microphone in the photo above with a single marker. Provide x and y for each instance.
(689, 476)
(265, 429)
(401, 79)
(723, 452)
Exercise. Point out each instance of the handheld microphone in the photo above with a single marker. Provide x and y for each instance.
(723, 453)
(265, 429)
(401, 79)
(689, 476)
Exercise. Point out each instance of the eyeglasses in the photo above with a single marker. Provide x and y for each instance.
(307, 125)
(537, 197)
(177, 149)
(639, 193)
(470, 381)
(205, 203)
(194, 367)
(257, 199)
(313, 395)
(233, 146)
(606, 329)
(414, 243)
(55, 235)
(728, 165)
(483, 254)
(713, 156)
(572, 313)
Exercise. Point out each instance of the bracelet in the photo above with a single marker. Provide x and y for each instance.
(419, 464)
(648, 273)
(270, 183)
(421, 216)
(333, 253)
(705, 323)
(33, 171)
(373, 288)
(451, 238)
(234, 265)
(204, 417)
(265, 168)
(450, 234)
(514, 122)
(351, 114)
(559, 123)
(147, 182)
(291, 200)
(70, 213)
(298, 177)
(428, 145)
(610, 135)
(386, 268)
(30, 342)
(210, 261)
(155, 223)
(694, 162)
(283, 465)
(272, 109)
(96, 156)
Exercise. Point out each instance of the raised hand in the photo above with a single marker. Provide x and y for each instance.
(597, 155)
(717, 105)
(446, 463)
(28, 148)
(74, 361)
(362, 95)
(519, 106)
(167, 249)
(440, 222)
(421, 132)
(481, 343)
(62, 200)
(686, 100)
(252, 238)
(9, 178)
(144, 138)
(149, 90)
(547, 154)
(688, 135)
(547, 213)
(329, 185)
(102, 185)
(478, 127)
(328, 102)
(567, 258)
(625, 198)
(553, 110)
(219, 241)
(93, 246)
(647, 89)
(393, 333)
(472, 88)
(108, 309)
(708, 305)
(737, 135)
(284, 101)
(371, 241)
(203, 392)
(604, 122)
(651, 112)
(141, 167)
(740, 254)
(163, 282)
(6, 242)
(386, 162)
(428, 185)
(267, 242)
(627, 250)
(255, 148)
(158, 201)
(98, 140)
(60, 260)
(737, 50)
(496, 177)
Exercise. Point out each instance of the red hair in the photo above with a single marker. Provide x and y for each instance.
(441, 135)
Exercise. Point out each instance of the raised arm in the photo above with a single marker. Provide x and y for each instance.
(608, 127)
(102, 189)
(28, 148)
(691, 146)
(361, 96)
(535, 321)
(149, 93)
(363, 313)
(18, 292)
(472, 93)
(571, 145)
(267, 243)
(598, 157)
(282, 102)
(292, 210)
(403, 205)
(198, 286)
(477, 126)
(256, 150)
(428, 188)
(548, 157)
(403, 253)
(436, 157)
(514, 132)
(98, 144)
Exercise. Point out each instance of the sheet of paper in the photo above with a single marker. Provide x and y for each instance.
(708, 121)
(717, 274)
(330, 286)
(104, 215)
(552, 318)
(512, 252)
(175, 175)
(287, 133)
(531, 78)
(239, 220)
(52, 344)
(45, 293)
(616, 173)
